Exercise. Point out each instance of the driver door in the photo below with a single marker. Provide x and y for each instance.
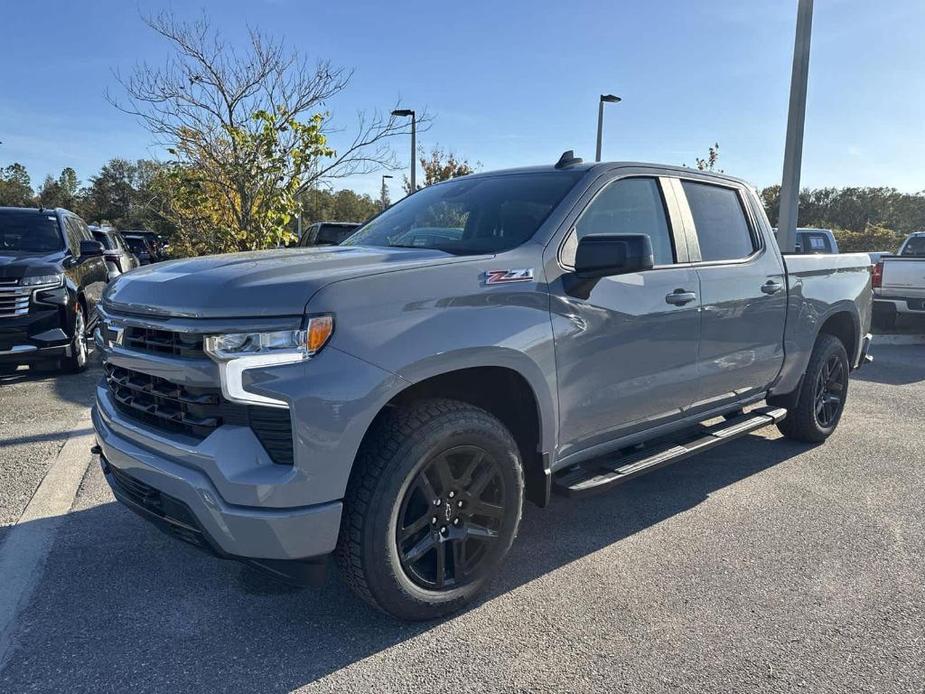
(626, 357)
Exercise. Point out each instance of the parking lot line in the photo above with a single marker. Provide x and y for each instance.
(27, 543)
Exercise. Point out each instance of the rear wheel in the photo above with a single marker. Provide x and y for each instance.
(822, 394)
(431, 510)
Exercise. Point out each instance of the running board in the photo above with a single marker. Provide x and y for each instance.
(604, 473)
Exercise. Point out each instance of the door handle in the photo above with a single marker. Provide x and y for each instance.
(771, 287)
(679, 297)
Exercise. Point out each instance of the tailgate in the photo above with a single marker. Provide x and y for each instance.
(903, 277)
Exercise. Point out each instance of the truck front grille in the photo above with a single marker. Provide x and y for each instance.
(14, 300)
(163, 342)
(196, 412)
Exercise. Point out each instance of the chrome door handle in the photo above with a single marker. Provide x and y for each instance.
(771, 287)
(679, 297)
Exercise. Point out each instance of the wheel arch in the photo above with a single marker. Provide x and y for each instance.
(503, 391)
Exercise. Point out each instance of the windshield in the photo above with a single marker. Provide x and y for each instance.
(29, 232)
(915, 246)
(470, 216)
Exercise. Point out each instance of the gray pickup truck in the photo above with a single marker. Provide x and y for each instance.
(485, 341)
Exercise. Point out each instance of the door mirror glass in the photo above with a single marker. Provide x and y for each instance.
(91, 249)
(605, 255)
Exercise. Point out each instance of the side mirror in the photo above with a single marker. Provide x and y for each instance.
(91, 249)
(605, 255)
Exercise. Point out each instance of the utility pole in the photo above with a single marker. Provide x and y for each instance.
(796, 116)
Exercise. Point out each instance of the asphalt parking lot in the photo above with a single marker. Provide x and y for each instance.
(761, 566)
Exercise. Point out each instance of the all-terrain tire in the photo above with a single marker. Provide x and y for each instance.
(388, 469)
(79, 358)
(805, 422)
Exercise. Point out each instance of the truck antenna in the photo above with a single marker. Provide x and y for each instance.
(568, 158)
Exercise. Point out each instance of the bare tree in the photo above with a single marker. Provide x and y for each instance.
(251, 121)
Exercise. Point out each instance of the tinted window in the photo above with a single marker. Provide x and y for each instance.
(73, 233)
(107, 240)
(470, 215)
(29, 232)
(814, 243)
(915, 246)
(720, 221)
(333, 233)
(630, 206)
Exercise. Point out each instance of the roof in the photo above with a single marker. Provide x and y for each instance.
(35, 210)
(601, 167)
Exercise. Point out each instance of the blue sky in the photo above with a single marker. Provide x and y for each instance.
(515, 82)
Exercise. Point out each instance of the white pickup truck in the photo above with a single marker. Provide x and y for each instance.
(899, 282)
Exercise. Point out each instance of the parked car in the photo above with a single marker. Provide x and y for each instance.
(811, 241)
(327, 233)
(156, 245)
(119, 258)
(395, 403)
(899, 282)
(52, 275)
(141, 247)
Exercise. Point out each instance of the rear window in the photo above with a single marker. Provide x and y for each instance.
(722, 228)
(333, 234)
(29, 232)
(814, 243)
(108, 242)
(915, 246)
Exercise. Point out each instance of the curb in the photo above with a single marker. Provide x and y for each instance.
(26, 546)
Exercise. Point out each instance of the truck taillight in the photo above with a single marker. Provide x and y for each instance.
(876, 275)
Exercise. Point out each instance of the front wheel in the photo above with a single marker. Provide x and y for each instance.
(822, 394)
(77, 362)
(431, 510)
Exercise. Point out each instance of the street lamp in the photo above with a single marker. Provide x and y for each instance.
(610, 99)
(384, 192)
(404, 113)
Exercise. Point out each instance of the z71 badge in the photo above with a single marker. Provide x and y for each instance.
(508, 276)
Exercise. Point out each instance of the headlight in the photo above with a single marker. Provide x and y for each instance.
(41, 281)
(298, 343)
(238, 352)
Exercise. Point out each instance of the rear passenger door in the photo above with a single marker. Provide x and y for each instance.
(742, 291)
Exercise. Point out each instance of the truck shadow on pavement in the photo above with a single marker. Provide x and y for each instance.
(123, 606)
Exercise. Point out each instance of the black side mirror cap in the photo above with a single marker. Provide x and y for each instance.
(91, 249)
(607, 255)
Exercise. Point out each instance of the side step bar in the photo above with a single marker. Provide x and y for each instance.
(604, 473)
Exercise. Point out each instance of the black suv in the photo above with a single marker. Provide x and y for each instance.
(118, 255)
(52, 275)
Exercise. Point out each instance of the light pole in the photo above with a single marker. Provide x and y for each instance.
(405, 112)
(610, 99)
(384, 192)
(796, 116)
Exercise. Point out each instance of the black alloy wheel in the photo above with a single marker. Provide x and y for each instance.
(831, 384)
(450, 518)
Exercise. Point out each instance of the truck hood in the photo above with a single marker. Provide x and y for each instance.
(17, 264)
(255, 284)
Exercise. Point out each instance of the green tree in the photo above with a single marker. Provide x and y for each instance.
(15, 186)
(60, 192)
(709, 164)
(341, 206)
(248, 133)
(441, 165)
(873, 238)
